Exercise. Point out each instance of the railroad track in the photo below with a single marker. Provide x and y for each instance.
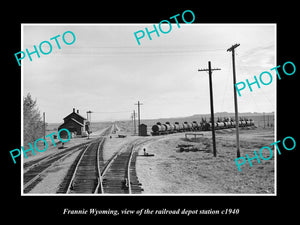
(33, 172)
(119, 175)
(34, 163)
(85, 177)
(91, 175)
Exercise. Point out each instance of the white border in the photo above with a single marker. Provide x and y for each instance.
(166, 194)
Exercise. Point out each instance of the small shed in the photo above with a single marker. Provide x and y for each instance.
(143, 130)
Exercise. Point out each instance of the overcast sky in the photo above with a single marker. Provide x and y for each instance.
(107, 72)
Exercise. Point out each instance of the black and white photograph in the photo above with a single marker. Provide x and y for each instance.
(144, 111)
(150, 109)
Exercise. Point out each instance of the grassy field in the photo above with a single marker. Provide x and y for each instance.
(199, 172)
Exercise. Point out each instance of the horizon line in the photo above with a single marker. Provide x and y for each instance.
(173, 117)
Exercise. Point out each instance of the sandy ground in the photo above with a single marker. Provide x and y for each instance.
(54, 176)
(115, 144)
(174, 172)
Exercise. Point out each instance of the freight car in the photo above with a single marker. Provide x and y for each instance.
(158, 129)
(169, 128)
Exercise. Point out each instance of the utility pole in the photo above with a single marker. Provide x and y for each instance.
(44, 120)
(90, 120)
(139, 117)
(231, 49)
(87, 115)
(133, 122)
(211, 105)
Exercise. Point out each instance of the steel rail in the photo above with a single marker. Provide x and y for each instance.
(128, 170)
(76, 168)
(57, 159)
(99, 169)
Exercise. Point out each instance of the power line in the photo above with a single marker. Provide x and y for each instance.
(115, 51)
(112, 112)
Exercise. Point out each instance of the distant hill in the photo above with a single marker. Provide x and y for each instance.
(232, 114)
(219, 114)
(259, 119)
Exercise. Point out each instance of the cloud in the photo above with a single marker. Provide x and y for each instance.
(257, 60)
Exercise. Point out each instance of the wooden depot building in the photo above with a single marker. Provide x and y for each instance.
(75, 123)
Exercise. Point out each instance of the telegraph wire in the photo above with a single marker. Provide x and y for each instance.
(113, 112)
(116, 51)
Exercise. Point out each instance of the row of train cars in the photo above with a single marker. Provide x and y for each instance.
(169, 128)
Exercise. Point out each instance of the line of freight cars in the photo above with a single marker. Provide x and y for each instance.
(169, 128)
